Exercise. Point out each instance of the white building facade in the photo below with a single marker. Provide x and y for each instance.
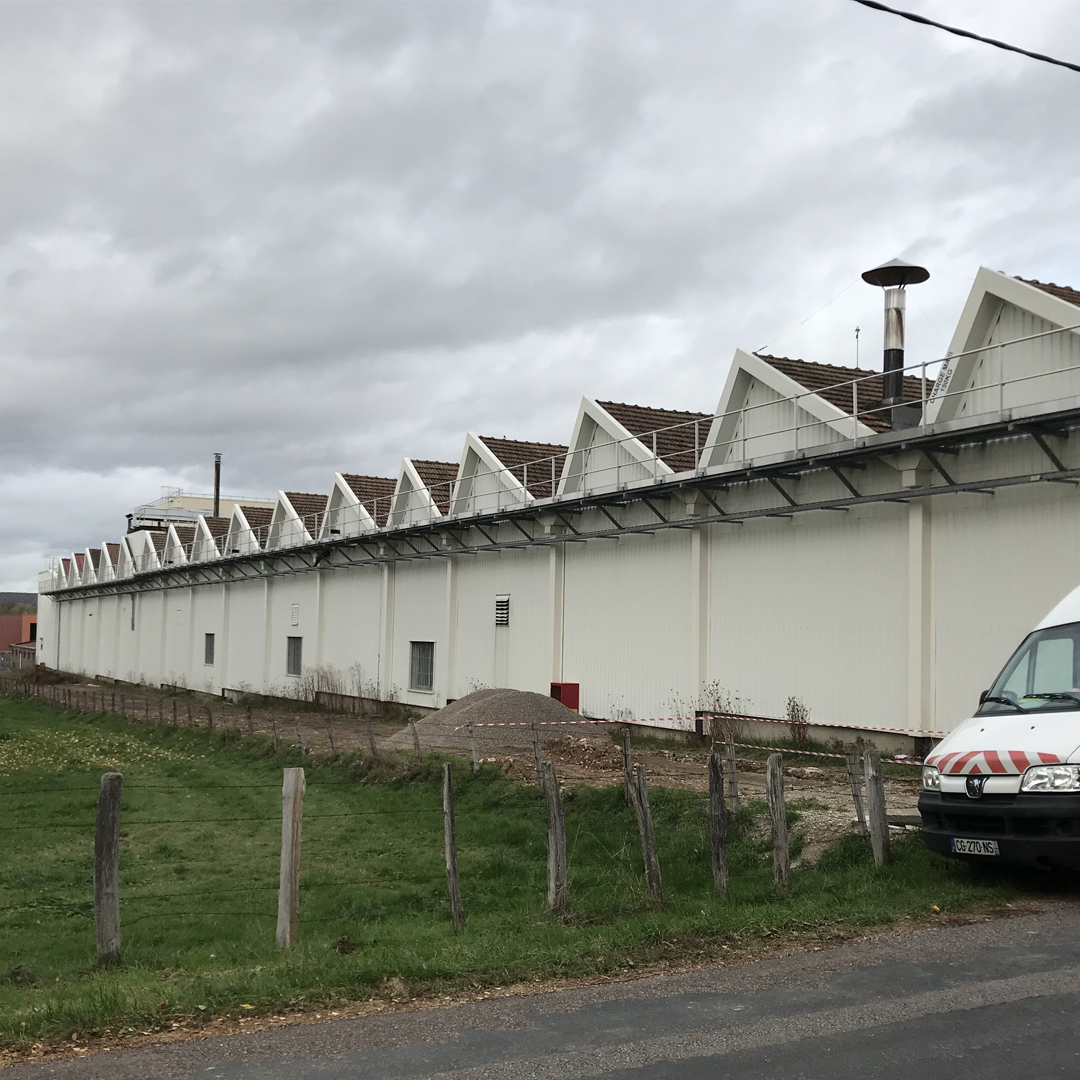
(793, 543)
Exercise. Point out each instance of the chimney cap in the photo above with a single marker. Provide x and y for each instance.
(896, 273)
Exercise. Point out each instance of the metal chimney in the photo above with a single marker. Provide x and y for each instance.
(894, 277)
(217, 485)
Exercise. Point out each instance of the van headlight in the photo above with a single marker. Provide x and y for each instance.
(931, 778)
(1052, 778)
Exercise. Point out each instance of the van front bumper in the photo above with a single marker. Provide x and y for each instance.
(1031, 829)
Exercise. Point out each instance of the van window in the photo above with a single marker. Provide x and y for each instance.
(1042, 675)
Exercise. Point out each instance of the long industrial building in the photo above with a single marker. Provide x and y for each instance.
(872, 543)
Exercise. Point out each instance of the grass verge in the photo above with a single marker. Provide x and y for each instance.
(199, 867)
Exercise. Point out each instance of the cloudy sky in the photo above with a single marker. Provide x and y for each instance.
(319, 237)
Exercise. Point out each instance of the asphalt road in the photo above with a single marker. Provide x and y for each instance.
(994, 1000)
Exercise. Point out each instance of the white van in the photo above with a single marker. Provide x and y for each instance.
(1005, 785)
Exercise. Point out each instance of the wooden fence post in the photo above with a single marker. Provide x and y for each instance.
(371, 740)
(648, 835)
(628, 768)
(330, 733)
(557, 891)
(174, 712)
(718, 824)
(251, 723)
(453, 884)
(300, 736)
(875, 806)
(209, 719)
(273, 730)
(107, 869)
(854, 771)
(774, 791)
(160, 711)
(416, 742)
(123, 707)
(292, 812)
(472, 748)
(536, 757)
(731, 763)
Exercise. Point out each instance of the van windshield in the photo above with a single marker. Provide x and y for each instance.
(1043, 674)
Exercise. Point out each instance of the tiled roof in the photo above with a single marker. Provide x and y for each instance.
(374, 493)
(185, 534)
(834, 384)
(259, 517)
(438, 477)
(158, 538)
(515, 455)
(219, 529)
(310, 508)
(80, 559)
(114, 552)
(67, 565)
(1062, 292)
(95, 557)
(675, 447)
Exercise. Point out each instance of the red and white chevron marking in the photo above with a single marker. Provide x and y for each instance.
(985, 762)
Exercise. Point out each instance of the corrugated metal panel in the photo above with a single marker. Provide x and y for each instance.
(1039, 364)
(767, 426)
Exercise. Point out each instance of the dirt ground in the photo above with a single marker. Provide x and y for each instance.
(827, 810)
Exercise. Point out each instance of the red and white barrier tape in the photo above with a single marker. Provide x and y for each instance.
(898, 760)
(692, 719)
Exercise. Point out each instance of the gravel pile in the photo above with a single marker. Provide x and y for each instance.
(439, 730)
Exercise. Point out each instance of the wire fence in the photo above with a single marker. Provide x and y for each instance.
(110, 904)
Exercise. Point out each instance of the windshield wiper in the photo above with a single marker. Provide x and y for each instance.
(1006, 701)
(1062, 695)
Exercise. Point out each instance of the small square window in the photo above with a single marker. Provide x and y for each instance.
(208, 649)
(422, 666)
(294, 655)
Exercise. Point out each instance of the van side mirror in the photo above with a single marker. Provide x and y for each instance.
(983, 696)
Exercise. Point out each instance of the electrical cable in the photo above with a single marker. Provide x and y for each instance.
(912, 17)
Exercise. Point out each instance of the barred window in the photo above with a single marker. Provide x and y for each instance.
(294, 655)
(422, 666)
(208, 649)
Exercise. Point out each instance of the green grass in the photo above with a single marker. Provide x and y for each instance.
(199, 891)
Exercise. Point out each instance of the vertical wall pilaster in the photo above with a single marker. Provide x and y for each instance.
(223, 669)
(557, 606)
(446, 673)
(386, 622)
(920, 711)
(268, 630)
(699, 609)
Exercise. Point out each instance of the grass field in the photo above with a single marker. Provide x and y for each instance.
(199, 867)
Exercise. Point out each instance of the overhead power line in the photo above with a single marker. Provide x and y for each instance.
(968, 34)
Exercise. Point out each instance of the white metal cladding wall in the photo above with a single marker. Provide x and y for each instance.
(518, 655)
(293, 597)
(246, 636)
(206, 617)
(815, 607)
(148, 629)
(107, 622)
(420, 615)
(126, 638)
(769, 427)
(1000, 563)
(1045, 357)
(351, 614)
(627, 637)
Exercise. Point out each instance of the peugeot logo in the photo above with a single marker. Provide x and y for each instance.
(975, 786)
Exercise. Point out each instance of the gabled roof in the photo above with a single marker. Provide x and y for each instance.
(1062, 292)
(374, 492)
(836, 384)
(309, 508)
(438, 478)
(95, 557)
(675, 448)
(80, 558)
(259, 518)
(515, 454)
(113, 551)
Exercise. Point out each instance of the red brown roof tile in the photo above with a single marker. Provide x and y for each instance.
(834, 383)
(114, 552)
(1062, 292)
(438, 477)
(259, 518)
(310, 509)
(95, 557)
(675, 444)
(374, 493)
(539, 457)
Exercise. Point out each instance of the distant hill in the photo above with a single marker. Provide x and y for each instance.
(18, 598)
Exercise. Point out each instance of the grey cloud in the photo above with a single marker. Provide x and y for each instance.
(321, 236)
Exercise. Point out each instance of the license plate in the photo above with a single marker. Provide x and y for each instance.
(975, 847)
